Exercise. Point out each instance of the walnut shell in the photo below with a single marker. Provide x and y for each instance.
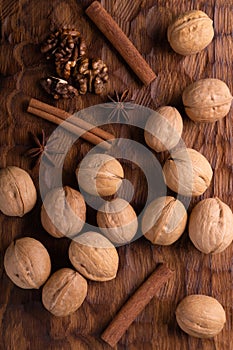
(94, 256)
(164, 132)
(63, 212)
(27, 263)
(17, 191)
(164, 220)
(190, 33)
(64, 292)
(118, 221)
(211, 226)
(207, 100)
(200, 316)
(100, 174)
(187, 172)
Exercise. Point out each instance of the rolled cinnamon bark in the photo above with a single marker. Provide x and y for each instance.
(121, 42)
(134, 306)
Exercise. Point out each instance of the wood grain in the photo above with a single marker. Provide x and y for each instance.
(24, 323)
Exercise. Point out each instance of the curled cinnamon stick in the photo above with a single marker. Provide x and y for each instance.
(134, 306)
(120, 41)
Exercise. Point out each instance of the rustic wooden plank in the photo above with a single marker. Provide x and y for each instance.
(24, 323)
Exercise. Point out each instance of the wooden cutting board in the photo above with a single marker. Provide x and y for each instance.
(24, 323)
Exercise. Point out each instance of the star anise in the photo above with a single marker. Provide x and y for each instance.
(42, 148)
(120, 106)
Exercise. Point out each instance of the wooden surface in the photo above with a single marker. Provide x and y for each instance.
(24, 323)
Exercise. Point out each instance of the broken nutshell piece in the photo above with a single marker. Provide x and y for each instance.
(27, 263)
(58, 88)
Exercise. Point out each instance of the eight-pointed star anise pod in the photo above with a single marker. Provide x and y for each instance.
(120, 107)
(42, 148)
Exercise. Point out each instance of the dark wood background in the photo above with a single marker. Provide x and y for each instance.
(24, 323)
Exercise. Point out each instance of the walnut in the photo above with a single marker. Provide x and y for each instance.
(27, 263)
(100, 174)
(94, 256)
(211, 226)
(58, 88)
(163, 131)
(200, 316)
(63, 212)
(64, 292)
(164, 220)
(207, 100)
(66, 46)
(187, 172)
(17, 191)
(191, 32)
(90, 75)
(118, 221)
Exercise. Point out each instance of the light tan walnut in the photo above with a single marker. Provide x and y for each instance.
(164, 220)
(64, 292)
(94, 256)
(187, 172)
(27, 263)
(100, 174)
(63, 212)
(211, 226)
(118, 221)
(200, 316)
(191, 32)
(163, 129)
(17, 191)
(207, 100)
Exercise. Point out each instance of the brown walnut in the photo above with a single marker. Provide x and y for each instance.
(211, 226)
(63, 212)
(207, 100)
(191, 32)
(64, 292)
(94, 256)
(200, 316)
(27, 263)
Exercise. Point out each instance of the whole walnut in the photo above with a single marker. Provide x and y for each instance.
(63, 212)
(17, 191)
(211, 226)
(187, 172)
(163, 131)
(207, 100)
(27, 263)
(64, 292)
(191, 32)
(118, 221)
(94, 256)
(100, 174)
(164, 220)
(200, 316)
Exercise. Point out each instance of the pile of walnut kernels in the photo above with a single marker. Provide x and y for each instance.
(93, 255)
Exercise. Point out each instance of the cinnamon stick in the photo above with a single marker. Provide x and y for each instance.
(120, 41)
(137, 302)
(86, 135)
(76, 121)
